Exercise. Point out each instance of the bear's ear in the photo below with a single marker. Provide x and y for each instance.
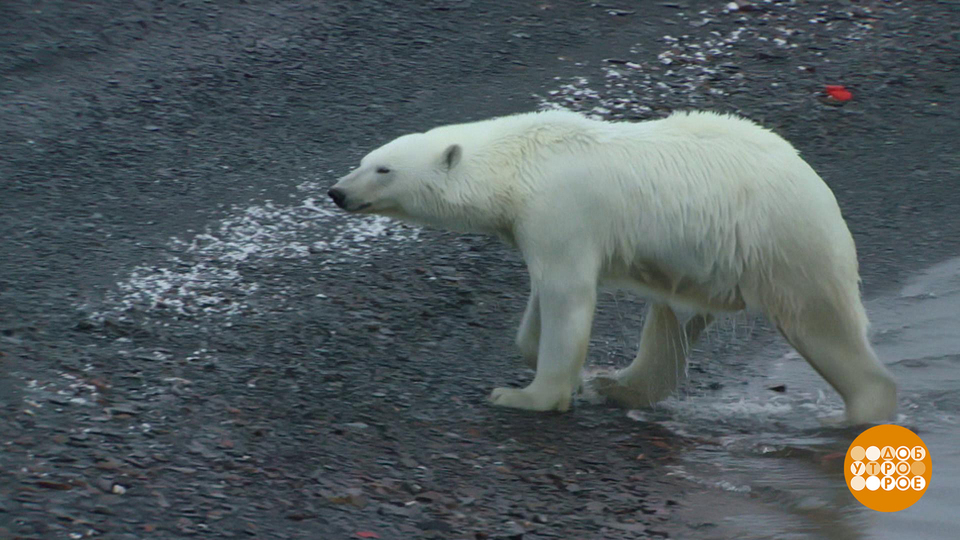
(451, 156)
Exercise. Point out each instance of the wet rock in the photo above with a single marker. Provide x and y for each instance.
(105, 484)
(512, 530)
(123, 409)
(49, 484)
(353, 497)
(435, 525)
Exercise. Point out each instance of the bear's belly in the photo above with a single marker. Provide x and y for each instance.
(651, 279)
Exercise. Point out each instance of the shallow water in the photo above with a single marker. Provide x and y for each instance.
(768, 469)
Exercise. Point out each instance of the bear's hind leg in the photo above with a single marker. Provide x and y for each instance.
(833, 340)
(660, 364)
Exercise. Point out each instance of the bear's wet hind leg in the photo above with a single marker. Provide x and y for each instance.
(660, 364)
(834, 342)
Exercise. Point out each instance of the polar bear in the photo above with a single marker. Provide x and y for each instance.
(699, 211)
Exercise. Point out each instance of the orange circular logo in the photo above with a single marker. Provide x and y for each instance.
(887, 468)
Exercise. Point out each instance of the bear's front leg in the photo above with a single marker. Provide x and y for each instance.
(566, 301)
(528, 336)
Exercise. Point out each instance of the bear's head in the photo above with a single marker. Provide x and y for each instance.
(404, 179)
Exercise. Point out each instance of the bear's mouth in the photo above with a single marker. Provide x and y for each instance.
(362, 207)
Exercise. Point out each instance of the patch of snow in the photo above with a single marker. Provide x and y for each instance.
(205, 274)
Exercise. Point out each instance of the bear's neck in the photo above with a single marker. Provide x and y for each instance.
(472, 219)
(479, 210)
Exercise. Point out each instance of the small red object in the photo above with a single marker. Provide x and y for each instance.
(838, 92)
(368, 534)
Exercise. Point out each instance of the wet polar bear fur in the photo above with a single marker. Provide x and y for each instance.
(698, 211)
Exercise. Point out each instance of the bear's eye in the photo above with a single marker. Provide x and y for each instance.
(382, 170)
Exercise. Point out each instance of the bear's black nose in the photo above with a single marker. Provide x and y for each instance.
(338, 196)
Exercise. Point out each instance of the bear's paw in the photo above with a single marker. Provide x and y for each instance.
(626, 394)
(532, 399)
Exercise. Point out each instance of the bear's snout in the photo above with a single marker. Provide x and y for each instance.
(339, 197)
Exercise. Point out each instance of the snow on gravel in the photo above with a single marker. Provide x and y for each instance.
(204, 275)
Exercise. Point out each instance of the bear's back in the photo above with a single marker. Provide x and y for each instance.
(728, 127)
(560, 130)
